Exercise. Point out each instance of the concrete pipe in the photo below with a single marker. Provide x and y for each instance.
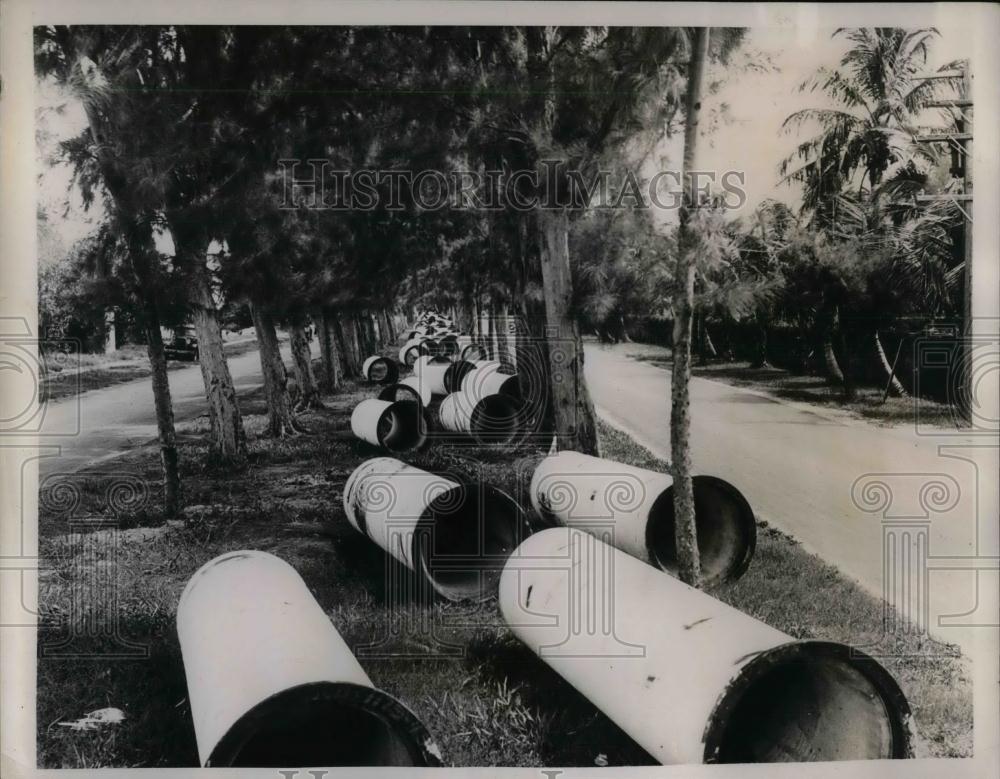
(401, 392)
(492, 419)
(398, 426)
(428, 359)
(449, 345)
(272, 684)
(487, 379)
(635, 507)
(444, 377)
(456, 536)
(472, 351)
(411, 350)
(689, 678)
(381, 370)
(420, 387)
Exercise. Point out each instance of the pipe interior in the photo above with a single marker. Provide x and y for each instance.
(725, 527)
(399, 392)
(402, 427)
(815, 704)
(314, 726)
(465, 538)
(378, 371)
(495, 420)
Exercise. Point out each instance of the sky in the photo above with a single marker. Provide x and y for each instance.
(741, 129)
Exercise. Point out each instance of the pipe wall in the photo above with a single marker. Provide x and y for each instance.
(381, 370)
(455, 536)
(272, 684)
(420, 387)
(632, 508)
(487, 379)
(398, 426)
(689, 678)
(491, 419)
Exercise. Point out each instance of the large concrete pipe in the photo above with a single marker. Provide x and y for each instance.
(456, 536)
(422, 389)
(444, 377)
(689, 678)
(635, 508)
(491, 419)
(381, 370)
(429, 359)
(411, 350)
(272, 684)
(398, 426)
(472, 351)
(401, 392)
(488, 379)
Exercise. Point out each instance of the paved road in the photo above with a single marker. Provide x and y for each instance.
(818, 476)
(104, 422)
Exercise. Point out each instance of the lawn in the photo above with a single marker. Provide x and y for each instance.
(814, 390)
(486, 699)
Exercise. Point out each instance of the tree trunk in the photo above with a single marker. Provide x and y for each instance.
(891, 378)
(491, 349)
(141, 249)
(686, 539)
(302, 365)
(503, 342)
(228, 438)
(328, 351)
(576, 423)
(280, 417)
(162, 402)
(347, 336)
(833, 371)
(760, 361)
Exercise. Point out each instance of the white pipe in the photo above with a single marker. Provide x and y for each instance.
(492, 419)
(689, 678)
(487, 379)
(443, 376)
(271, 682)
(389, 370)
(421, 388)
(397, 426)
(634, 508)
(412, 349)
(456, 536)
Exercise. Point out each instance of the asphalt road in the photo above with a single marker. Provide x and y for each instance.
(887, 506)
(101, 423)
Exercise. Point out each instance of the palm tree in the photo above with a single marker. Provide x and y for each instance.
(871, 128)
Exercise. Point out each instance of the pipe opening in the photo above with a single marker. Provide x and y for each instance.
(465, 537)
(724, 524)
(325, 724)
(399, 392)
(495, 420)
(402, 426)
(810, 701)
(473, 352)
(411, 353)
(457, 371)
(382, 371)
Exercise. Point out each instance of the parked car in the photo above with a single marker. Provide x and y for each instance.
(181, 343)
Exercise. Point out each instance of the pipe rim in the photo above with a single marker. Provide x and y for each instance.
(784, 656)
(391, 370)
(738, 563)
(404, 727)
(483, 420)
(393, 416)
(490, 564)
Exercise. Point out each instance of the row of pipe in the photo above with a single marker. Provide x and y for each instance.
(689, 678)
